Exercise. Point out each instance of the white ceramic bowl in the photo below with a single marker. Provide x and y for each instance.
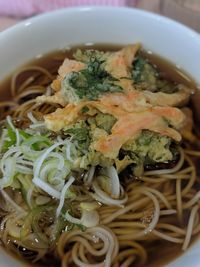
(75, 26)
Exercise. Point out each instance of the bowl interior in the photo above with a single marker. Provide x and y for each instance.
(75, 26)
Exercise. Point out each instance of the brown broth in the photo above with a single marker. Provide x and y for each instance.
(51, 62)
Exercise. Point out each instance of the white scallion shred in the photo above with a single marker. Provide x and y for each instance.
(9, 120)
(23, 169)
(29, 196)
(12, 203)
(90, 218)
(24, 162)
(70, 150)
(104, 198)
(37, 125)
(46, 187)
(71, 219)
(10, 152)
(114, 181)
(8, 168)
(62, 195)
(2, 139)
(61, 160)
(34, 121)
(32, 118)
(38, 163)
(89, 176)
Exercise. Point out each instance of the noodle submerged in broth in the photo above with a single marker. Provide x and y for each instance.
(97, 161)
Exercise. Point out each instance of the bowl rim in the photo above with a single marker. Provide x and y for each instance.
(99, 8)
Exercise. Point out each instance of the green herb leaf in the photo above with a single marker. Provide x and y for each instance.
(37, 142)
(91, 82)
(139, 64)
(84, 110)
(147, 77)
(24, 134)
(11, 139)
(80, 133)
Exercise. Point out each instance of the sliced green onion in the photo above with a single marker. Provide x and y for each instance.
(8, 168)
(31, 117)
(104, 198)
(114, 181)
(13, 229)
(37, 141)
(71, 219)
(90, 218)
(63, 194)
(46, 187)
(89, 206)
(40, 160)
(17, 136)
(2, 140)
(12, 203)
(31, 223)
(89, 176)
(42, 200)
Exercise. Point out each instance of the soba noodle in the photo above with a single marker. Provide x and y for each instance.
(161, 206)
